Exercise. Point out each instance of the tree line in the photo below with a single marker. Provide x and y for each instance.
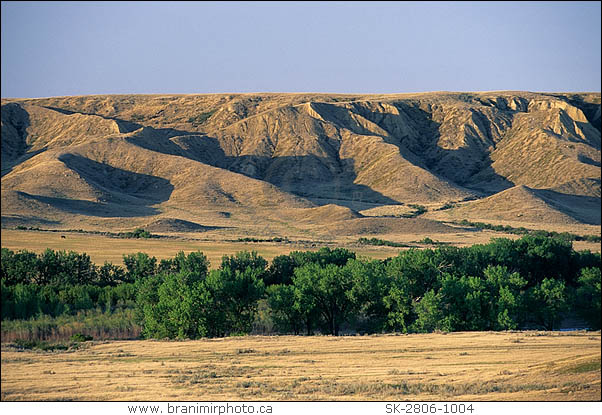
(532, 282)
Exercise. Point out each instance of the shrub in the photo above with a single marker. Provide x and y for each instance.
(79, 337)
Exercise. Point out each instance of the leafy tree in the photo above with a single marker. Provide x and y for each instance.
(286, 311)
(181, 307)
(123, 295)
(147, 297)
(462, 300)
(18, 268)
(195, 264)
(547, 302)
(588, 297)
(243, 260)
(371, 284)
(76, 297)
(462, 261)
(400, 306)
(584, 259)
(50, 269)
(139, 266)
(60, 267)
(507, 294)
(429, 314)
(25, 301)
(110, 275)
(280, 271)
(542, 257)
(234, 295)
(419, 270)
(504, 252)
(329, 289)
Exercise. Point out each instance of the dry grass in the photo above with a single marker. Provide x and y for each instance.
(102, 248)
(458, 366)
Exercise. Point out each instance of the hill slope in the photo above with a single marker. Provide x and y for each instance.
(260, 160)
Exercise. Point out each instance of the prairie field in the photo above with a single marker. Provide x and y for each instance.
(478, 366)
(104, 248)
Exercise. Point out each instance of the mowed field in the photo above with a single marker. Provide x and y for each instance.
(479, 366)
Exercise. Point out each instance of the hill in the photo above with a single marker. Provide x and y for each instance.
(289, 163)
(521, 203)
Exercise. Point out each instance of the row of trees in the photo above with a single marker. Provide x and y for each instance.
(23, 301)
(506, 284)
(61, 268)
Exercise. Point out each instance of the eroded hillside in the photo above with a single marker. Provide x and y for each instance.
(271, 160)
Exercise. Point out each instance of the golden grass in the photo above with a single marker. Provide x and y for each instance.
(103, 248)
(540, 366)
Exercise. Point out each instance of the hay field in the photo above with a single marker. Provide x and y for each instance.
(525, 366)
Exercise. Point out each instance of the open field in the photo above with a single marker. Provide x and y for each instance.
(104, 248)
(542, 366)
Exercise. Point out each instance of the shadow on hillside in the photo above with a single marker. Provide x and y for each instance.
(586, 209)
(588, 160)
(305, 176)
(590, 109)
(12, 221)
(89, 208)
(468, 166)
(458, 166)
(123, 125)
(143, 189)
(124, 193)
(15, 121)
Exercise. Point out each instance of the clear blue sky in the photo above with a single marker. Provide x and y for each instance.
(71, 48)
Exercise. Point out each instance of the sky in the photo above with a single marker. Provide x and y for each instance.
(84, 48)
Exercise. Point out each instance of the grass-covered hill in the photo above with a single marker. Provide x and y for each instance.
(293, 161)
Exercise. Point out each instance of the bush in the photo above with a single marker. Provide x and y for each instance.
(79, 337)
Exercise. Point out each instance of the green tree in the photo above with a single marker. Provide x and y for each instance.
(18, 268)
(400, 306)
(147, 298)
(508, 296)
(182, 307)
(371, 284)
(329, 289)
(25, 301)
(195, 264)
(547, 302)
(542, 257)
(419, 269)
(280, 271)
(285, 309)
(243, 260)
(110, 275)
(234, 295)
(464, 303)
(139, 266)
(588, 297)
(60, 267)
(429, 314)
